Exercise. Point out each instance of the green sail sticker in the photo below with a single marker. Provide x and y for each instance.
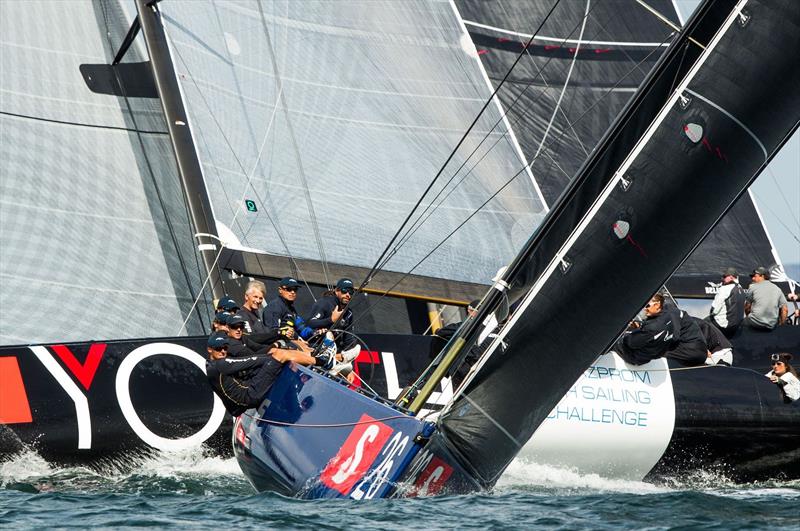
(251, 205)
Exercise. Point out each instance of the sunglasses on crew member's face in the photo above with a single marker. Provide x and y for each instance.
(347, 291)
(292, 289)
(777, 363)
(236, 327)
(650, 304)
(220, 349)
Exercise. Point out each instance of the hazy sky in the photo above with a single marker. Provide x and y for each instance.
(777, 189)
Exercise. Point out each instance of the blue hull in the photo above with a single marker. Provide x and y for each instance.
(312, 437)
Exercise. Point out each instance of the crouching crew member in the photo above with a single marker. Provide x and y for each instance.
(280, 314)
(239, 344)
(242, 383)
(332, 308)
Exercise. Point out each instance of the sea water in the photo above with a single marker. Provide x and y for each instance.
(189, 490)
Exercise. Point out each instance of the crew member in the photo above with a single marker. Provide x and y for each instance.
(784, 376)
(332, 313)
(720, 350)
(254, 328)
(227, 304)
(240, 345)
(727, 310)
(766, 305)
(691, 349)
(651, 338)
(241, 383)
(280, 314)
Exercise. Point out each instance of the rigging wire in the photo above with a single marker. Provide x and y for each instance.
(428, 211)
(511, 179)
(241, 166)
(374, 269)
(296, 150)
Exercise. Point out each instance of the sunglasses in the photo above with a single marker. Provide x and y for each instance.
(236, 327)
(777, 363)
(651, 304)
(220, 349)
(293, 289)
(347, 291)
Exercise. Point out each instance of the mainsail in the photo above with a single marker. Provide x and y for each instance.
(330, 119)
(95, 236)
(632, 214)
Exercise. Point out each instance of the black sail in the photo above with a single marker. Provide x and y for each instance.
(574, 81)
(676, 159)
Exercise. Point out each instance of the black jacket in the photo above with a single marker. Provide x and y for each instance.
(650, 341)
(691, 348)
(241, 382)
(321, 314)
(279, 312)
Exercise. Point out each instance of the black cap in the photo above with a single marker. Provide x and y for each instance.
(760, 270)
(222, 317)
(344, 283)
(730, 272)
(473, 305)
(289, 282)
(218, 339)
(227, 304)
(234, 320)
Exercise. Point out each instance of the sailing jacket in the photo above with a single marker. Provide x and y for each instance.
(727, 310)
(321, 314)
(691, 347)
(254, 329)
(242, 382)
(657, 334)
(280, 312)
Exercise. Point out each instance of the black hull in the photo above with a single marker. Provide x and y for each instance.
(730, 420)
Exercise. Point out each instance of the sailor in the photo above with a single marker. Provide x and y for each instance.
(280, 314)
(720, 350)
(727, 310)
(332, 310)
(241, 383)
(691, 349)
(651, 338)
(784, 376)
(220, 322)
(254, 329)
(227, 304)
(766, 305)
(240, 345)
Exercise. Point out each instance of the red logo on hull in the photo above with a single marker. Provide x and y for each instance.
(85, 371)
(432, 479)
(14, 407)
(356, 455)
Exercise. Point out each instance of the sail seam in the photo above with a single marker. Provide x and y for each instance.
(493, 421)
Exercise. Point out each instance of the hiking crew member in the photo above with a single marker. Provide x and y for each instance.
(240, 345)
(242, 383)
(332, 309)
(727, 310)
(280, 314)
(784, 376)
(653, 337)
(766, 305)
(691, 348)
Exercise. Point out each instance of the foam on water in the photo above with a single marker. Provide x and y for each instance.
(525, 474)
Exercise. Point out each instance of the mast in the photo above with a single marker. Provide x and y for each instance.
(189, 167)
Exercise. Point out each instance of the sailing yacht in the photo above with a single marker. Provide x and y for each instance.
(375, 92)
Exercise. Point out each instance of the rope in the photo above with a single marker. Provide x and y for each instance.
(331, 425)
